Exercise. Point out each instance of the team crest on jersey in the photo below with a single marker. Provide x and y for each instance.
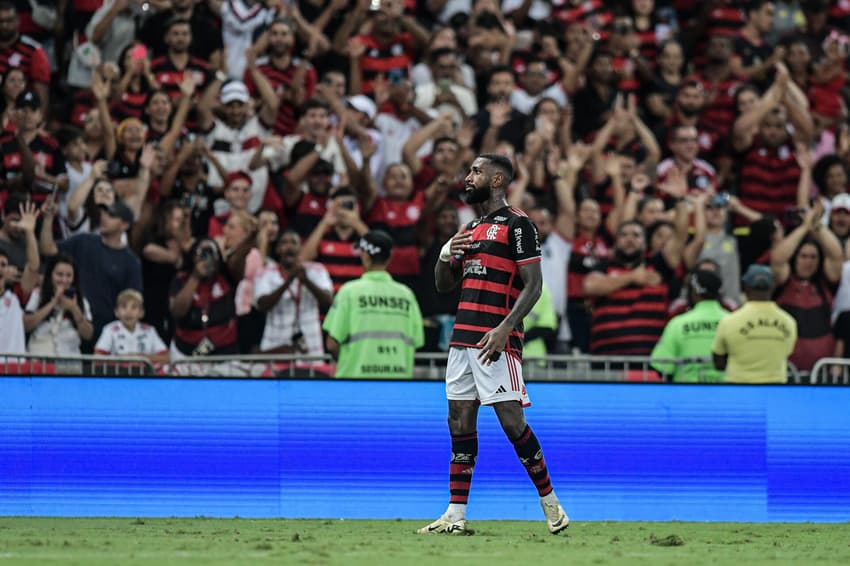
(492, 232)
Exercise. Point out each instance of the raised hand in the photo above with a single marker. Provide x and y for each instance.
(29, 213)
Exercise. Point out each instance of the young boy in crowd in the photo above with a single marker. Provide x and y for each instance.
(129, 337)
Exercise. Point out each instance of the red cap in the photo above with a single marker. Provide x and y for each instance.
(235, 175)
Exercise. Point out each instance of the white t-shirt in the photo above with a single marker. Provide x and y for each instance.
(238, 24)
(56, 329)
(524, 102)
(75, 179)
(118, 340)
(281, 321)
(555, 257)
(12, 340)
(234, 149)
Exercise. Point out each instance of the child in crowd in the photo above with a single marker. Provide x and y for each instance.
(129, 337)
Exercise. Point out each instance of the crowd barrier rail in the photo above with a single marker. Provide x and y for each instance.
(77, 364)
(428, 366)
(830, 371)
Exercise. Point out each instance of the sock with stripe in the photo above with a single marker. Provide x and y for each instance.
(528, 449)
(464, 454)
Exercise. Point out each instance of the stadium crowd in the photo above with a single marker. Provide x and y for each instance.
(223, 158)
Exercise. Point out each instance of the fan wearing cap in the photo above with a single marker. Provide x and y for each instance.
(374, 324)
(807, 264)
(359, 130)
(105, 265)
(48, 161)
(235, 137)
(691, 334)
(839, 219)
(280, 79)
(753, 343)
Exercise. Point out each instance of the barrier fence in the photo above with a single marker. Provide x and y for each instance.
(428, 366)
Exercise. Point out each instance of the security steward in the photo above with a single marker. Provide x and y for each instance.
(374, 324)
(753, 343)
(691, 334)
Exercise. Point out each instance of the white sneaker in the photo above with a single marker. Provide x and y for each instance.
(446, 527)
(556, 517)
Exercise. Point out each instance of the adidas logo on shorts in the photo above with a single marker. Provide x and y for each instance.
(501, 389)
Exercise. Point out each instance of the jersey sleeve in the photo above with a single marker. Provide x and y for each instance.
(523, 240)
(104, 343)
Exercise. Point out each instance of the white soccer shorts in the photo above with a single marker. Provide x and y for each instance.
(468, 380)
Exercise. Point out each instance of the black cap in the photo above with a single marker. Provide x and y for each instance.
(706, 283)
(120, 210)
(28, 99)
(377, 243)
(758, 277)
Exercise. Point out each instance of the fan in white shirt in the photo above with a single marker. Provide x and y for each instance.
(11, 316)
(292, 294)
(129, 337)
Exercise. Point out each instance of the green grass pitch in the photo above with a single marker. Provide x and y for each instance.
(122, 541)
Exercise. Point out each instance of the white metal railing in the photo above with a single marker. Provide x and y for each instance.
(71, 364)
(428, 366)
(834, 371)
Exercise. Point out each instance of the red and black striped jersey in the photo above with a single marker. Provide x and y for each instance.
(585, 257)
(502, 242)
(281, 81)
(169, 78)
(307, 213)
(393, 58)
(27, 55)
(719, 112)
(340, 258)
(590, 13)
(210, 324)
(769, 178)
(45, 152)
(399, 219)
(629, 321)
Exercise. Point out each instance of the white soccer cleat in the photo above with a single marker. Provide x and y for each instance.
(443, 526)
(556, 517)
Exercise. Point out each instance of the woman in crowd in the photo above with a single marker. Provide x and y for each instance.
(58, 317)
(165, 253)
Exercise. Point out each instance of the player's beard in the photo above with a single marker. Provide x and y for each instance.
(477, 195)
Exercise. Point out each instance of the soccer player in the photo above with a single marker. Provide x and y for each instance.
(496, 258)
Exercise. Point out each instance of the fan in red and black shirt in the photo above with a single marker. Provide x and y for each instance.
(48, 160)
(386, 50)
(289, 81)
(203, 306)
(21, 51)
(170, 69)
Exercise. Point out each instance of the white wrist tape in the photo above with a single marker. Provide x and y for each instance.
(446, 252)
